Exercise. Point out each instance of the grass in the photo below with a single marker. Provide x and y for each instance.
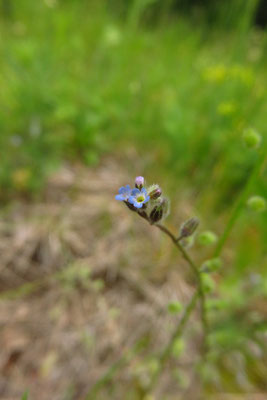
(72, 89)
(79, 81)
(75, 88)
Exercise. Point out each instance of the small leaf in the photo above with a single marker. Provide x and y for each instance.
(175, 307)
(211, 265)
(178, 347)
(251, 138)
(256, 203)
(207, 238)
(207, 283)
(153, 366)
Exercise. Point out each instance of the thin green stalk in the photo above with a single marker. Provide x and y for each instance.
(178, 331)
(112, 370)
(165, 355)
(239, 205)
(108, 375)
(197, 274)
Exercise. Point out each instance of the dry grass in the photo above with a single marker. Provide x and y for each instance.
(101, 279)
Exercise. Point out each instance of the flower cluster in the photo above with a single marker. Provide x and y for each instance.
(147, 202)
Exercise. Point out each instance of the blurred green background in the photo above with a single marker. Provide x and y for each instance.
(80, 78)
(178, 81)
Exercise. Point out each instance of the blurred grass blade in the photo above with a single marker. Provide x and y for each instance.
(239, 205)
(25, 395)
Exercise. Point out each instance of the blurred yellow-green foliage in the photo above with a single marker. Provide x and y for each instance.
(83, 78)
(79, 79)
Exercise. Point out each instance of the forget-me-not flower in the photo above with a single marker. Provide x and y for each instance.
(124, 193)
(138, 197)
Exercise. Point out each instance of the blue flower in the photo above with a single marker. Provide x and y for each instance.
(138, 197)
(124, 193)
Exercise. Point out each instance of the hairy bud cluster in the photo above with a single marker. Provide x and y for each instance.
(147, 202)
(150, 204)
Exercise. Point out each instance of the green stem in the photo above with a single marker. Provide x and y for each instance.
(108, 375)
(165, 355)
(196, 272)
(112, 370)
(179, 329)
(240, 203)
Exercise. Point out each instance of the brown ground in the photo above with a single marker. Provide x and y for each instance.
(101, 280)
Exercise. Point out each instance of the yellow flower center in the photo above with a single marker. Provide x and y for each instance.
(140, 198)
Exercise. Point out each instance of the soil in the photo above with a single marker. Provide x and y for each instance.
(84, 281)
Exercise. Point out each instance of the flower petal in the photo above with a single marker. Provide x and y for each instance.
(122, 190)
(146, 199)
(143, 190)
(135, 192)
(119, 197)
(131, 200)
(128, 189)
(138, 205)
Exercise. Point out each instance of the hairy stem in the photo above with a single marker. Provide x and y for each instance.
(199, 293)
(197, 274)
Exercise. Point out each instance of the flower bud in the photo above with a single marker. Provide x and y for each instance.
(206, 238)
(130, 206)
(211, 265)
(139, 182)
(175, 307)
(154, 192)
(142, 214)
(159, 211)
(156, 214)
(189, 227)
(208, 283)
(178, 347)
(251, 138)
(256, 203)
